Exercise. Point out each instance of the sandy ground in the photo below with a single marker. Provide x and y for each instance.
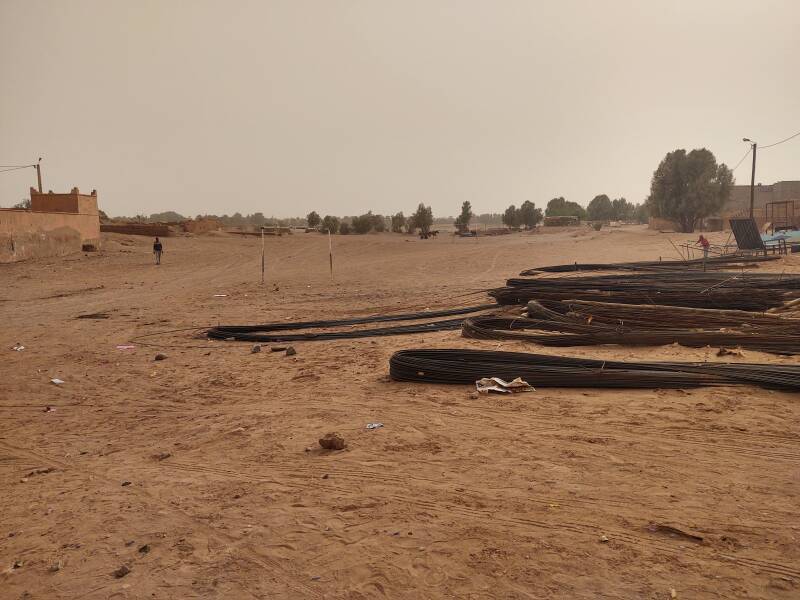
(194, 471)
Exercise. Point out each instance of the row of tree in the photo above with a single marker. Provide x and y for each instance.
(685, 188)
(421, 220)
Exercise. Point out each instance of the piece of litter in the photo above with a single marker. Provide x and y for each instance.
(495, 384)
(18, 347)
(126, 347)
(57, 381)
(374, 425)
(674, 532)
(160, 356)
(220, 295)
(603, 539)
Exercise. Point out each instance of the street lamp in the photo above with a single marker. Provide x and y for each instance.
(752, 175)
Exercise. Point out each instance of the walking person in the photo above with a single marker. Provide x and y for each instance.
(157, 250)
(705, 244)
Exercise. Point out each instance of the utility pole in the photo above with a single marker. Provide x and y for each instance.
(38, 166)
(752, 175)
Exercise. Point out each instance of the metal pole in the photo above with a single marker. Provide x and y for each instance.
(330, 251)
(753, 181)
(38, 166)
(262, 255)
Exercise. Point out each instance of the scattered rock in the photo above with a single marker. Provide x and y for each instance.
(255, 349)
(673, 593)
(160, 356)
(49, 409)
(277, 348)
(325, 476)
(603, 539)
(122, 571)
(290, 351)
(126, 483)
(316, 578)
(332, 441)
(144, 549)
(474, 395)
(162, 455)
(17, 564)
(24, 480)
(56, 566)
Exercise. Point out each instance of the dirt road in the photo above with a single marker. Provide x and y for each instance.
(195, 473)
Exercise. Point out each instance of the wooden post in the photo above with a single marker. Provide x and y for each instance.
(262, 255)
(330, 251)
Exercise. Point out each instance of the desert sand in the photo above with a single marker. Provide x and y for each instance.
(202, 474)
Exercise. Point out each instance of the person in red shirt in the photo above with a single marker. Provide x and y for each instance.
(705, 244)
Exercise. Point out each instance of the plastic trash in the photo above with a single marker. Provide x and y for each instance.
(57, 381)
(495, 384)
(18, 347)
(374, 425)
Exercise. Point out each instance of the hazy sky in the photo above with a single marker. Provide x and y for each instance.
(347, 106)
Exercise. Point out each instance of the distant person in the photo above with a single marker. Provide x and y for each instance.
(705, 244)
(157, 250)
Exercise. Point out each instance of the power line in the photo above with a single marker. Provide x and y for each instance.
(746, 154)
(16, 168)
(782, 141)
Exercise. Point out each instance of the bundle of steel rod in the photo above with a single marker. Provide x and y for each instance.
(710, 264)
(651, 316)
(267, 331)
(459, 366)
(551, 328)
(743, 291)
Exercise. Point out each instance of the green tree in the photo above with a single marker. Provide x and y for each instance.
(330, 223)
(344, 228)
(25, 203)
(623, 210)
(600, 208)
(688, 186)
(398, 222)
(378, 222)
(422, 219)
(529, 215)
(462, 221)
(313, 219)
(641, 213)
(511, 217)
(559, 207)
(362, 224)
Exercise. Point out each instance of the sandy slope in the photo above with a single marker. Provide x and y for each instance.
(455, 497)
